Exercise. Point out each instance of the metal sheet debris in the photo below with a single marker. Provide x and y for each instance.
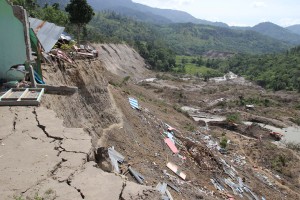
(162, 187)
(140, 178)
(169, 194)
(173, 187)
(47, 33)
(115, 157)
(171, 145)
(134, 103)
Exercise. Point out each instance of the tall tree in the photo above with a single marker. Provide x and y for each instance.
(80, 13)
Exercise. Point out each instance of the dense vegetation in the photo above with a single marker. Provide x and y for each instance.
(111, 27)
(50, 13)
(271, 71)
(182, 38)
(277, 32)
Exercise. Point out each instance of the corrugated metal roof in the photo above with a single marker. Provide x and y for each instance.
(47, 33)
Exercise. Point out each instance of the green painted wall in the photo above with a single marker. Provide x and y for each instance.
(12, 39)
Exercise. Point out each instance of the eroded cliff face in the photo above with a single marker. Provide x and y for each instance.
(91, 108)
(122, 60)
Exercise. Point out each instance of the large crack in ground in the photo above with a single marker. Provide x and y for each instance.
(78, 190)
(121, 193)
(43, 128)
(13, 126)
(60, 149)
(58, 165)
(15, 121)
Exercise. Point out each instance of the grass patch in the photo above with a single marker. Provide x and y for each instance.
(296, 121)
(293, 145)
(190, 127)
(234, 117)
(192, 68)
(279, 162)
(178, 109)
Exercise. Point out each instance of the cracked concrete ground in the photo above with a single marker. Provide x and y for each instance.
(40, 157)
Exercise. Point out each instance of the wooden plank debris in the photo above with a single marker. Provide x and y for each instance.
(22, 97)
(58, 89)
(176, 170)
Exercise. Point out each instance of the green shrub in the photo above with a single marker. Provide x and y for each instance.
(296, 121)
(223, 142)
(125, 80)
(190, 127)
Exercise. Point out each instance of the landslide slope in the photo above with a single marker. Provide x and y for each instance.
(101, 107)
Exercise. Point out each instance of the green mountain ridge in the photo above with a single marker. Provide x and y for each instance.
(183, 38)
(277, 32)
(143, 12)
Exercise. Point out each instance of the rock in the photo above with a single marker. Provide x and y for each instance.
(103, 160)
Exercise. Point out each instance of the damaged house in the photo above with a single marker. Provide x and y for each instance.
(15, 43)
(25, 43)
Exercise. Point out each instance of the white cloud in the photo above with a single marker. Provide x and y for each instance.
(289, 21)
(238, 24)
(167, 3)
(236, 12)
(259, 4)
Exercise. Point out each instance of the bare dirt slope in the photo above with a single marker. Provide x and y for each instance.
(123, 61)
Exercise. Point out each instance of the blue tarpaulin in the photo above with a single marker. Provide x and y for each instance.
(38, 78)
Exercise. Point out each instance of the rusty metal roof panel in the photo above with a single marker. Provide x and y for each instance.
(47, 33)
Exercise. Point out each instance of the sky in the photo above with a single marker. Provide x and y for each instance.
(236, 12)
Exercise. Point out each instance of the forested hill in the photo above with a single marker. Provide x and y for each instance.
(294, 29)
(277, 32)
(139, 11)
(182, 38)
(273, 71)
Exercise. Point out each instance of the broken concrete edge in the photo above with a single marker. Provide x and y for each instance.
(58, 89)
